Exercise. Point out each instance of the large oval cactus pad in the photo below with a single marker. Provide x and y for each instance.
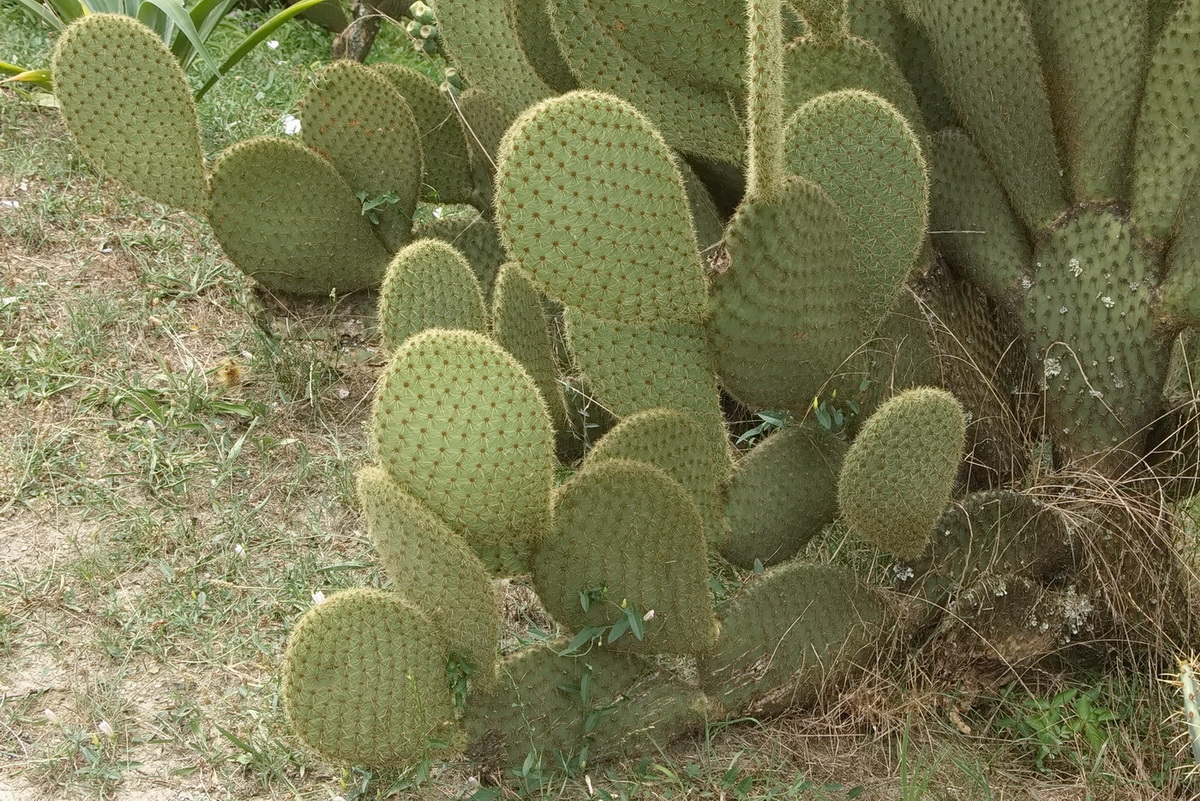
(461, 426)
(127, 104)
(364, 681)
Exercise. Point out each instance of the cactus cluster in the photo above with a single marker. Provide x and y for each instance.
(942, 239)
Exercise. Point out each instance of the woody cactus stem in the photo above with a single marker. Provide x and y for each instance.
(765, 87)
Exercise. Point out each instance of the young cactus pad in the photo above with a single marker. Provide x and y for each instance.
(364, 681)
(897, 477)
(461, 426)
(428, 284)
(127, 104)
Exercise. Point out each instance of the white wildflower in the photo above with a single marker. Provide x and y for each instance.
(273, 44)
(318, 597)
(105, 728)
(291, 125)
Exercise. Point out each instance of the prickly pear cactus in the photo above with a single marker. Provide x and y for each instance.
(939, 242)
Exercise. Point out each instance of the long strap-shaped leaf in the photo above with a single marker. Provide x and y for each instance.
(252, 41)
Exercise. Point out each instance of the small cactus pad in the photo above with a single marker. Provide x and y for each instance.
(858, 148)
(632, 368)
(630, 536)
(447, 158)
(519, 326)
(460, 426)
(364, 681)
(1090, 312)
(782, 494)
(788, 633)
(287, 219)
(481, 38)
(970, 217)
(813, 68)
(435, 569)
(591, 205)
(901, 356)
(693, 455)
(786, 311)
(989, 64)
(428, 285)
(550, 709)
(897, 477)
(694, 119)
(472, 235)
(1166, 154)
(352, 116)
(127, 104)
(1094, 106)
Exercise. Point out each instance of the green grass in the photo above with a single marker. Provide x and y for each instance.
(176, 461)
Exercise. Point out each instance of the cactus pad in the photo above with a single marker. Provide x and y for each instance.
(781, 495)
(632, 368)
(858, 148)
(287, 219)
(127, 104)
(693, 455)
(897, 477)
(1094, 335)
(460, 426)
(971, 219)
(788, 633)
(1094, 106)
(472, 235)
(481, 38)
(364, 681)
(353, 117)
(519, 325)
(1165, 154)
(813, 68)
(786, 312)
(428, 285)
(558, 709)
(989, 65)
(446, 156)
(591, 205)
(626, 531)
(435, 569)
(696, 120)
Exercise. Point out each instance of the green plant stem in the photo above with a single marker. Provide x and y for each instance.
(765, 87)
